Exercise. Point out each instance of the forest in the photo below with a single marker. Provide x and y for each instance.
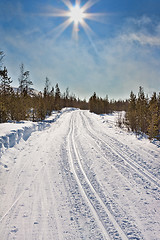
(23, 103)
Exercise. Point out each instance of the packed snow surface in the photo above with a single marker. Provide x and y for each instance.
(77, 176)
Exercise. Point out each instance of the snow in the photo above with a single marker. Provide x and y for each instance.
(77, 176)
(12, 133)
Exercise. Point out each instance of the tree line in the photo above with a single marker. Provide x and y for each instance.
(100, 105)
(24, 104)
(142, 113)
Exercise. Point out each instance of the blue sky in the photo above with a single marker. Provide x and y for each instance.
(122, 54)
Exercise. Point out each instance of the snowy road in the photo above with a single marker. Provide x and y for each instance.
(81, 178)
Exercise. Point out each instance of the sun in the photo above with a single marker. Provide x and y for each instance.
(75, 15)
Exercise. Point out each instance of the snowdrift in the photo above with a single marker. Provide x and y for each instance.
(11, 133)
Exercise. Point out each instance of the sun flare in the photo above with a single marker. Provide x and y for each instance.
(75, 15)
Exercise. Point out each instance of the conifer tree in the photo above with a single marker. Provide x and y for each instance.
(57, 97)
(24, 81)
(66, 98)
(5, 91)
(131, 114)
(48, 97)
(99, 105)
(106, 105)
(41, 108)
(1, 58)
(46, 88)
(6, 81)
(92, 103)
(142, 111)
(52, 92)
(153, 120)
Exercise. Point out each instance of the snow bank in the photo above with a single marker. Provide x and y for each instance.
(11, 133)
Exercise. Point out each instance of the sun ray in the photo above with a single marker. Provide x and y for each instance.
(95, 16)
(78, 2)
(75, 31)
(87, 28)
(89, 32)
(67, 3)
(57, 13)
(76, 15)
(62, 27)
(89, 4)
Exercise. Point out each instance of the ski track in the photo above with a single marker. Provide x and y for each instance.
(111, 206)
(102, 211)
(78, 180)
(149, 183)
(71, 182)
(112, 143)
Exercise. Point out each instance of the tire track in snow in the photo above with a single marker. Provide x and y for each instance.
(106, 221)
(124, 157)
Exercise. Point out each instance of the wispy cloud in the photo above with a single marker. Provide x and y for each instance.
(118, 66)
(143, 39)
(144, 31)
(142, 21)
